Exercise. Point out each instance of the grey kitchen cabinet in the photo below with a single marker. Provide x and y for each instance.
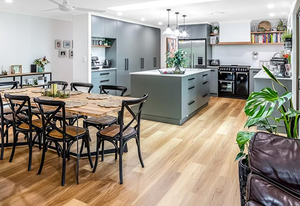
(253, 72)
(106, 77)
(214, 81)
(98, 29)
(197, 31)
(110, 28)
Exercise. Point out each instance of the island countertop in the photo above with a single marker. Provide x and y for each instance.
(188, 72)
(263, 75)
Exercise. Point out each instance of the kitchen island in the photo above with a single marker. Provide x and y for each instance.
(173, 98)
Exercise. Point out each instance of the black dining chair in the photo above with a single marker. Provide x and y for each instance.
(71, 118)
(24, 124)
(75, 85)
(105, 121)
(120, 134)
(63, 137)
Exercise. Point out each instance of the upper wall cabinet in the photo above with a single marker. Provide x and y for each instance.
(98, 27)
(235, 32)
(102, 27)
(198, 31)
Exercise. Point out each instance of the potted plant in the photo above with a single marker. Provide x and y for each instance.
(177, 60)
(41, 63)
(281, 25)
(287, 39)
(259, 108)
(215, 29)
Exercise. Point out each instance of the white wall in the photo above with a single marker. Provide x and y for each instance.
(82, 48)
(25, 38)
(242, 54)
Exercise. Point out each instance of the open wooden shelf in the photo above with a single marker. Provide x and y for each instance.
(268, 32)
(245, 43)
(101, 46)
(268, 43)
(214, 34)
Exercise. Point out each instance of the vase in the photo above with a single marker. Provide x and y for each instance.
(177, 69)
(41, 69)
(244, 171)
(288, 71)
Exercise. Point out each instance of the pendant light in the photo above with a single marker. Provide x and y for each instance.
(168, 31)
(184, 33)
(177, 32)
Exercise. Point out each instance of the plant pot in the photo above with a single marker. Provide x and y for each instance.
(288, 43)
(41, 69)
(177, 69)
(244, 171)
(216, 31)
(281, 28)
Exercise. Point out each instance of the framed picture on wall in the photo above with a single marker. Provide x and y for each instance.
(16, 69)
(71, 53)
(171, 46)
(57, 44)
(62, 53)
(67, 44)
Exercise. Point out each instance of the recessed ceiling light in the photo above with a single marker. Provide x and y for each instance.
(271, 14)
(217, 13)
(143, 19)
(271, 6)
(8, 1)
(159, 23)
(120, 13)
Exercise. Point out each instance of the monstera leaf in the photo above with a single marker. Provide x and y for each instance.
(261, 105)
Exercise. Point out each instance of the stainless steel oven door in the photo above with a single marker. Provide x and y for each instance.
(226, 87)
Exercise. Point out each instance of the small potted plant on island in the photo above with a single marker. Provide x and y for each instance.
(178, 60)
(260, 108)
(41, 63)
(287, 39)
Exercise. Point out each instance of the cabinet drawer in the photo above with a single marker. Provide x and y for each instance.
(189, 81)
(189, 93)
(103, 75)
(189, 107)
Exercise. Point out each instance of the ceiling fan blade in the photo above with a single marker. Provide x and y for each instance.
(56, 2)
(49, 10)
(90, 10)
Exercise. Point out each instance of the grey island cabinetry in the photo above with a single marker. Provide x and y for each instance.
(172, 98)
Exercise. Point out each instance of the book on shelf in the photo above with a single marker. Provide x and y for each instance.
(266, 38)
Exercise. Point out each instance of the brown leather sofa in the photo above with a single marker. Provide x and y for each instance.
(275, 171)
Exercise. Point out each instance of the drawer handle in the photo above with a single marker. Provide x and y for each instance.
(107, 80)
(205, 95)
(192, 102)
(204, 75)
(205, 82)
(191, 79)
(192, 87)
(102, 74)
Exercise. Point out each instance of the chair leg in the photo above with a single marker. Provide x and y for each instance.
(102, 150)
(82, 145)
(89, 151)
(97, 155)
(116, 153)
(139, 151)
(14, 146)
(40, 141)
(121, 163)
(2, 144)
(63, 168)
(30, 152)
(43, 157)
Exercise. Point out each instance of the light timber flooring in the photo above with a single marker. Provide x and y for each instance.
(192, 164)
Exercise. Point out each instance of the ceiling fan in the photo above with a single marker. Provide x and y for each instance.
(66, 6)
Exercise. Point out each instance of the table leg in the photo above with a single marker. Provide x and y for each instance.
(21, 80)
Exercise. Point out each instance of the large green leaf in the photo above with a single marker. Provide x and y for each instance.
(274, 78)
(261, 105)
(243, 137)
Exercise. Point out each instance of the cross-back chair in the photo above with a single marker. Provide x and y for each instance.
(120, 134)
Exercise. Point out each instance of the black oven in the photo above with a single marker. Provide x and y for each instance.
(234, 81)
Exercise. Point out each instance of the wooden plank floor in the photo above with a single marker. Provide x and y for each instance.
(192, 164)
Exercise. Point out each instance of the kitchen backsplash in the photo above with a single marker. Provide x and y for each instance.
(242, 54)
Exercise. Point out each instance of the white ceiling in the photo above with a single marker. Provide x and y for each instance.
(197, 11)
